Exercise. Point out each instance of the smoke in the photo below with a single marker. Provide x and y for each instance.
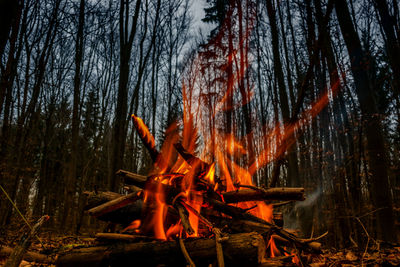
(303, 214)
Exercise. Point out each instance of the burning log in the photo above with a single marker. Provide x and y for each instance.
(146, 137)
(279, 193)
(276, 193)
(186, 200)
(239, 213)
(238, 249)
(184, 215)
(217, 205)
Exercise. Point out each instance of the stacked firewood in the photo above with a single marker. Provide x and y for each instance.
(225, 231)
(236, 236)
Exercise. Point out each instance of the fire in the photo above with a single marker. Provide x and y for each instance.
(274, 251)
(135, 225)
(224, 162)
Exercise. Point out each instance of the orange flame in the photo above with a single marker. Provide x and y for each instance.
(274, 251)
(203, 108)
(133, 226)
(143, 130)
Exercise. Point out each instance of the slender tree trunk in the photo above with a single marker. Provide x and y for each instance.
(119, 132)
(293, 172)
(69, 190)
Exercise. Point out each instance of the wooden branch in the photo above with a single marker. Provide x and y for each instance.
(239, 213)
(190, 158)
(111, 237)
(218, 246)
(115, 204)
(149, 184)
(133, 178)
(239, 249)
(28, 255)
(148, 141)
(281, 193)
(278, 193)
(184, 215)
(17, 255)
(146, 137)
(277, 262)
(225, 208)
(185, 253)
(95, 199)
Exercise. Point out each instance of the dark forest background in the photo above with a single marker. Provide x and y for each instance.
(72, 72)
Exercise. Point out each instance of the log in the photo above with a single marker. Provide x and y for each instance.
(148, 141)
(95, 199)
(133, 178)
(217, 205)
(149, 184)
(24, 243)
(146, 137)
(280, 193)
(184, 215)
(28, 256)
(238, 213)
(115, 204)
(239, 250)
(111, 237)
(285, 261)
(276, 193)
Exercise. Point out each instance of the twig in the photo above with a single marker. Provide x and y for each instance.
(371, 212)
(218, 246)
(16, 256)
(115, 204)
(185, 253)
(183, 214)
(279, 204)
(196, 213)
(20, 214)
(315, 238)
(298, 255)
(368, 238)
(238, 185)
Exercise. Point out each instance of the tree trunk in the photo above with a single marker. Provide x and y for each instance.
(293, 172)
(119, 132)
(69, 189)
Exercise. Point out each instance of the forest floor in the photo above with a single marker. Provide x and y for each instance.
(52, 244)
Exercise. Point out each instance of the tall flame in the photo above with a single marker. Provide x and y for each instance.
(223, 160)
